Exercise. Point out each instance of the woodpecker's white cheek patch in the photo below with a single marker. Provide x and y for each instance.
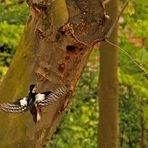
(40, 97)
(23, 102)
(34, 90)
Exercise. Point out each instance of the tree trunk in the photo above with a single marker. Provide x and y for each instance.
(54, 49)
(108, 88)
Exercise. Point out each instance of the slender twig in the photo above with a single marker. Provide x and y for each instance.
(124, 51)
(112, 27)
(131, 58)
(116, 20)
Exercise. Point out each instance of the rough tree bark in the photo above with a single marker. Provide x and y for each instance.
(108, 87)
(53, 51)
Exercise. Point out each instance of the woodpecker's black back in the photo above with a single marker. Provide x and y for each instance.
(31, 102)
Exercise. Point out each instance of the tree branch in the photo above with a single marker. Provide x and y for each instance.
(116, 21)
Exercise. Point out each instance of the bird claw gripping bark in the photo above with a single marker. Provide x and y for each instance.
(34, 101)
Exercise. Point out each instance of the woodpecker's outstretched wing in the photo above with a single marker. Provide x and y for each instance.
(46, 98)
(18, 106)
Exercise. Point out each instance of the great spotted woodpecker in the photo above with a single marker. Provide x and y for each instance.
(34, 101)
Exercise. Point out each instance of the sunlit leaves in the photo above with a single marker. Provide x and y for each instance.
(13, 14)
(10, 35)
(130, 8)
(143, 2)
(12, 20)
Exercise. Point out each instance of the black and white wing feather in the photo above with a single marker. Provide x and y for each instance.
(51, 97)
(15, 107)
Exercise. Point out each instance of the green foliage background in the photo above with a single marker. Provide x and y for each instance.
(78, 127)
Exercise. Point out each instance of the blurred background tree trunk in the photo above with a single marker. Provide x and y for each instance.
(108, 87)
(53, 51)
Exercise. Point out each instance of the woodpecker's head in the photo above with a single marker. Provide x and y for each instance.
(33, 88)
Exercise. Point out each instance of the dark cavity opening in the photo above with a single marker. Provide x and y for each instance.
(71, 48)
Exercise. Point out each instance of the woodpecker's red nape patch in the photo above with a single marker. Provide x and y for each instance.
(38, 109)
